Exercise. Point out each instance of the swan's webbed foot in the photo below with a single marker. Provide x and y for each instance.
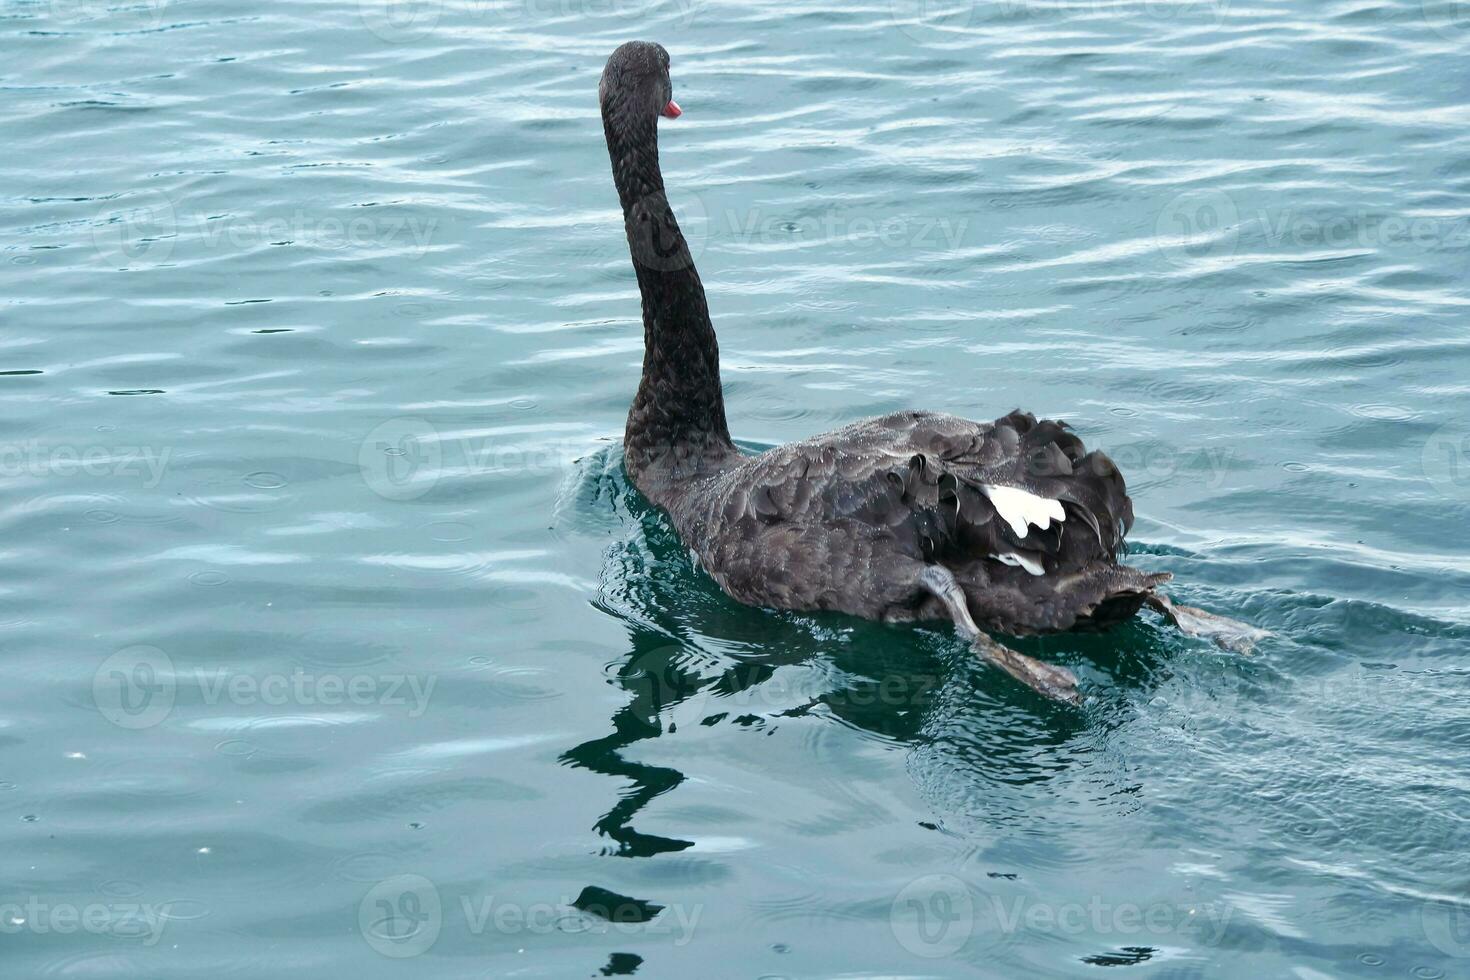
(1228, 634)
(1048, 680)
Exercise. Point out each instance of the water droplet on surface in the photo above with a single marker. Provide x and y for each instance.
(237, 747)
(266, 480)
(450, 531)
(120, 888)
(572, 924)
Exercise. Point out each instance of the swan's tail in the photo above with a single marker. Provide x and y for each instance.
(1030, 522)
(1023, 493)
(1094, 598)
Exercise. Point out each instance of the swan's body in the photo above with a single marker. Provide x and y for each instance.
(848, 519)
(1011, 525)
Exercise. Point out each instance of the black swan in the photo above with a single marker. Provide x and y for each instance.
(1008, 525)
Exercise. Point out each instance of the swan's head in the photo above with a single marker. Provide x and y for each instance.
(636, 82)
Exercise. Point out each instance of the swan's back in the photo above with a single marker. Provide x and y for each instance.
(1028, 521)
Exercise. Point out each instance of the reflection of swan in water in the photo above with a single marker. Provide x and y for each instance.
(697, 657)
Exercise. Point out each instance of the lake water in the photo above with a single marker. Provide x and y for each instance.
(340, 646)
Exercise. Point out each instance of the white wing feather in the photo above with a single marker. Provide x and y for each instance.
(1021, 509)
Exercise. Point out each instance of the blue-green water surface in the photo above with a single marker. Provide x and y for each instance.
(338, 645)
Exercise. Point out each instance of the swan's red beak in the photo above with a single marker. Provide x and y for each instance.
(672, 110)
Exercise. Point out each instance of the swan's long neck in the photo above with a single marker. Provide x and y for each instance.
(676, 428)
